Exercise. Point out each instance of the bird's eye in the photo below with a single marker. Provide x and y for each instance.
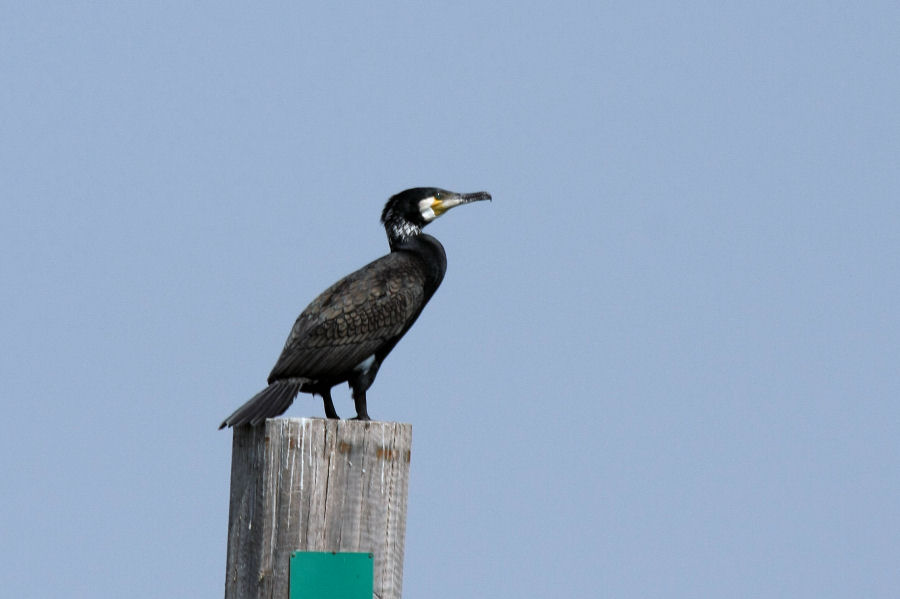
(437, 195)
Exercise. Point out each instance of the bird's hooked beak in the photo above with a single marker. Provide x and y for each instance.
(442, 201)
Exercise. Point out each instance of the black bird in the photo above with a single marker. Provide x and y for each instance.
(346, 332)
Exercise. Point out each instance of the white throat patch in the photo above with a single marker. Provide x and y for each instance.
(426, 209)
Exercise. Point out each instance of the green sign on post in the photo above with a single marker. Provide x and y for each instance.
(329, 575)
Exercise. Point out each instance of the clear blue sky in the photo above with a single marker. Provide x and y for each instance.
(664, 361)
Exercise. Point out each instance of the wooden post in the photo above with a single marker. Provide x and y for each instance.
(308, 484)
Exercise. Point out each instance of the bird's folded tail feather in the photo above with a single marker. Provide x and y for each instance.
(268, 403)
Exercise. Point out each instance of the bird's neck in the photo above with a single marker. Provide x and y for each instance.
(400, 231)
(431, 255)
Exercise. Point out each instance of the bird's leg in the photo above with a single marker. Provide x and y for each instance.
(359, 399)
(329, 405)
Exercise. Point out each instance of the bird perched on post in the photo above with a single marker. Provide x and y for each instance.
(346, 332)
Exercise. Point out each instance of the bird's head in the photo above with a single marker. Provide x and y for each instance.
(407, 212)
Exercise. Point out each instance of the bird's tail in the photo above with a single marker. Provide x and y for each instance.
(270, 402)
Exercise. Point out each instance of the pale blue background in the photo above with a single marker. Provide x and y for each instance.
(664, 361)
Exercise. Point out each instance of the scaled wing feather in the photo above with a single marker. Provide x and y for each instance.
(353, 318)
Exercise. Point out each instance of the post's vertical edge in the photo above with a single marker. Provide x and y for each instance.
(396, 542)
(245, 510)
(395, 454)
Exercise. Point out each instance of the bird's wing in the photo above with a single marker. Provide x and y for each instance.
(353, 318)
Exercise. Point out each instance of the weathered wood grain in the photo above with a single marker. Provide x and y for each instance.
(310, 484)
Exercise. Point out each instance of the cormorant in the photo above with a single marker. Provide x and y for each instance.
(346, 332)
